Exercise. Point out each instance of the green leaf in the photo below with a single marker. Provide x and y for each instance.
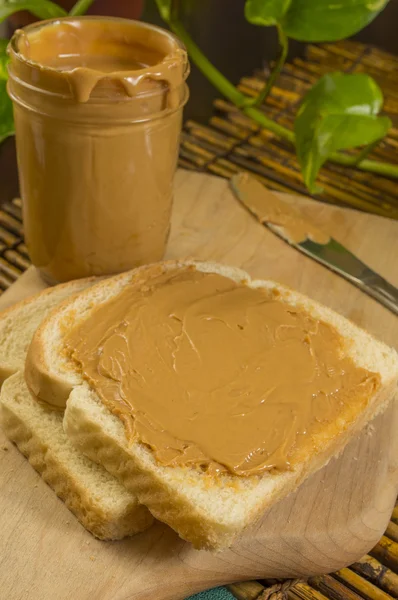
(329, 20)
(314, 20)
(42, 9)
(6, 114)
(173, 11)
(3, 59)
(266, 12)
(164, 7)
(80, 8)
(339, 112)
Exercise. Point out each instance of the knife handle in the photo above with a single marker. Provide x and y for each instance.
(380, 289)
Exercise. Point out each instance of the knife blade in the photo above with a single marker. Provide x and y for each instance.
(331, 254)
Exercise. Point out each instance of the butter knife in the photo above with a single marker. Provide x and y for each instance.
(329, 253)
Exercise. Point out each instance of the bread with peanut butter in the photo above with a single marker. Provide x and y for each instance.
(100, 502)
(208, 394)
(19, 322)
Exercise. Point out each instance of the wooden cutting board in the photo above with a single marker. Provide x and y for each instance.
(333, 519)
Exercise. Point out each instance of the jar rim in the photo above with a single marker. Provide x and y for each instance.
(15, 51)
(32, 27)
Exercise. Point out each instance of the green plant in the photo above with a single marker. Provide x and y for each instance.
(6, 116)
(339, 112)
(42, 9)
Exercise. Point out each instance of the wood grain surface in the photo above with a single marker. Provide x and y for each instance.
(334, 518)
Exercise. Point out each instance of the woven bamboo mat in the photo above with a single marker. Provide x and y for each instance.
(232, 142)
(14, 258)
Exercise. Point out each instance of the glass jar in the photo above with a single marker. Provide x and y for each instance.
(98, 108)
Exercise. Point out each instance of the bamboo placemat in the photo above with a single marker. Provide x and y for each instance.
(14, 258)
(232, 142)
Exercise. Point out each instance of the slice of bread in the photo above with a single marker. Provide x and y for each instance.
(100, 502)
(206, 510)
(19, 322)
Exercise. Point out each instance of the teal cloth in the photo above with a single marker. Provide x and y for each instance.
(220, 593)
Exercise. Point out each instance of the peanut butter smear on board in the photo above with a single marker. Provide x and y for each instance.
(269, 208)
(216, 375)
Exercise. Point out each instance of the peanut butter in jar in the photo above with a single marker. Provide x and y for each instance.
(98, 108)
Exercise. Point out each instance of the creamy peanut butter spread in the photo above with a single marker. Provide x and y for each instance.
(269, 208)
(98, 107)
(215, 374)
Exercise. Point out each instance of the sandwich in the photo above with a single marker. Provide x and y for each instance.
(207, 394)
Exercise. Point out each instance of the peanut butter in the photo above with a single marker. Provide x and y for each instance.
(98, 107)
(217, 375)
(269, 208)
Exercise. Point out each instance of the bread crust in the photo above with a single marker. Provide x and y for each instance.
(40, 437)
(13, 319)
(105, 520)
